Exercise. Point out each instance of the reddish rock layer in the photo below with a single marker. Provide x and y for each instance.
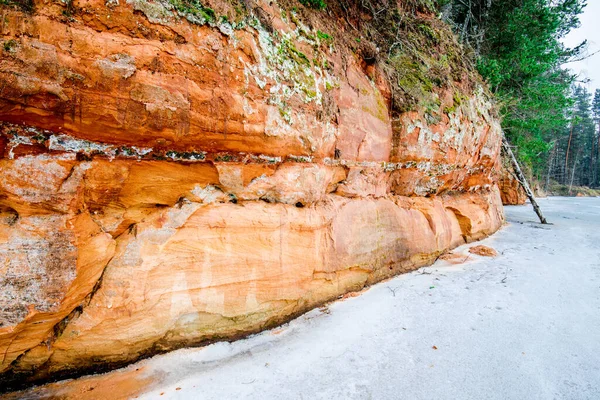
(511, 191)
(166, 184)
(200, 268)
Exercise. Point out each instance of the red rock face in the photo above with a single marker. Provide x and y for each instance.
(511, 191)
(165, 184)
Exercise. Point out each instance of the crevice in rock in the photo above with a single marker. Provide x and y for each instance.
(14, 380)
(57, 330)
(66, 179)
(8, 215)
(464, 222)
(430, 221)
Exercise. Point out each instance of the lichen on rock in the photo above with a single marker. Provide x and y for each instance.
(172, 178)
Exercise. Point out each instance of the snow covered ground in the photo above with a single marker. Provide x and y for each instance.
(523, 325)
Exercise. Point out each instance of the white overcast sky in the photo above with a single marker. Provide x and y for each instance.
(590, 30)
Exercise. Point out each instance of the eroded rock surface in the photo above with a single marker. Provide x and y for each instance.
(167, 182)
(511, 191)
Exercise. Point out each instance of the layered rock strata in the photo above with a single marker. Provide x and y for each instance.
(168, 183)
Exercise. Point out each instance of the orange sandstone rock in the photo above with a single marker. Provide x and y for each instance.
(454, 258)
(510, 189)
(168, 184)
(484, 251)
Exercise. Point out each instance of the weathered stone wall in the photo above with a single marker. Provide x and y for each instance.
(166, 184)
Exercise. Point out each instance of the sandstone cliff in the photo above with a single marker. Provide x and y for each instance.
(173, 176)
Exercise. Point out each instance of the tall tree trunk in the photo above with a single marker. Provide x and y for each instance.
(573, 173)
(567, 155)
(598, 154)
(550, 165)
(591, 171)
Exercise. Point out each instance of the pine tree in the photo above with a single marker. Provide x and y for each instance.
(577, 143)
(596, 117)
(519, 52)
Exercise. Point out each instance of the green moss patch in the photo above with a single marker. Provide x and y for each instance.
(194, 8)
(316, 4)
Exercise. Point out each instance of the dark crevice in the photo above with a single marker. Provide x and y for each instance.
(464, 222)
(8, 215)
(71, 171)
